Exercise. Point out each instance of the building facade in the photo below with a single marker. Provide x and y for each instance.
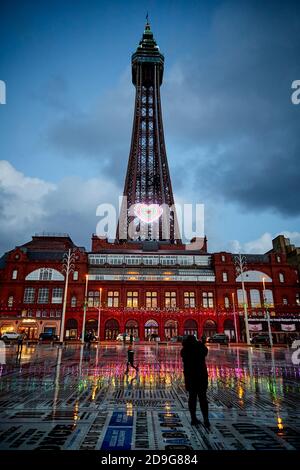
(147, 289)
(147, 282)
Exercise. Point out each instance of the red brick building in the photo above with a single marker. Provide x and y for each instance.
(147, 288)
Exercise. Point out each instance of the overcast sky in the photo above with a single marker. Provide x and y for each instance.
(232, 132)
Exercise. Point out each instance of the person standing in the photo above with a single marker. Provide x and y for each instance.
(193, 356)
(131, 338)
(20, 344)
(130, 359)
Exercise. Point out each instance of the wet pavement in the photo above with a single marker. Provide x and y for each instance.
(72, 398)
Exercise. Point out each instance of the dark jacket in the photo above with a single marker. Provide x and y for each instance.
(194, 367)
(130, 355)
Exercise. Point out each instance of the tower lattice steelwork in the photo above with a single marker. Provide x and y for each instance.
(148, 206)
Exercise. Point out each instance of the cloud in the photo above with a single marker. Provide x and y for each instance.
(261, 244)
(227, 108)
(100, 132)
(30, 205)
(232, 113)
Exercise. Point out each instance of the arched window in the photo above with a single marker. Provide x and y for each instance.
(10, 301)
(226, 301)
(73, 301)
(225, 276)
(281, 277)
(45, 274)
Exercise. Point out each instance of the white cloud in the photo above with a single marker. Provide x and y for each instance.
(30, 205)
(263, 243)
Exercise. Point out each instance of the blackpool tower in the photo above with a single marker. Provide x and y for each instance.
(148, 211)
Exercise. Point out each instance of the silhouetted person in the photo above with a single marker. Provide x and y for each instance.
(88, 339)
(193, 355)
(131, 338)
(130, 360)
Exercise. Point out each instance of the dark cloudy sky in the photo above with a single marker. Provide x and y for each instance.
(232, 132)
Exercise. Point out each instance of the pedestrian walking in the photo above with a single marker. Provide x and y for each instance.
(20, 344)
(130, 360)
(88, 339)
(193, 355)
(131, 338)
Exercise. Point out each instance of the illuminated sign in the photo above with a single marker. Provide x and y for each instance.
(148, 213)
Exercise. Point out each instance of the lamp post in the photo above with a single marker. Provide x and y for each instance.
(234, 317)
(240, 262)
(84, 307)
(267, 313)
(99, 315)
(68, 267)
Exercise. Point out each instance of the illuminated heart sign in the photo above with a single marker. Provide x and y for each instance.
(148, 213)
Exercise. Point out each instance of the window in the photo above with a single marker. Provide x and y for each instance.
(285, 301)
(240, 297)
(75, 276)
(44, 313)
(14, 274)
(189, 299)
(45, 274)
(29, 295)
(225, 277)
(113, 298)
(268, 298)
(226, 301)
(151, 299)
(132, 299)
(223, 258)
(281, 277)
(185, 260)
(58, 313)
(278, 259)
(168, 260)
(57, 294)
(170, 299)
(52, 314)
(73, 301)
(43, 295)
(207, 299)
(298, 298)
(255, 298)
(93, 298)
(38, 313)
(10, 301)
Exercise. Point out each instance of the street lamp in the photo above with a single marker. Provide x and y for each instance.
(234, 317)
(68, 267)
(99, 315)
(84, 307)
(267, 313)
(240, 263)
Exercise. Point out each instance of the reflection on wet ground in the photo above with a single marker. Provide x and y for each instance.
(73, 398)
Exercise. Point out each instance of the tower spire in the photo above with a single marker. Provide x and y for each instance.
(149, 209)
